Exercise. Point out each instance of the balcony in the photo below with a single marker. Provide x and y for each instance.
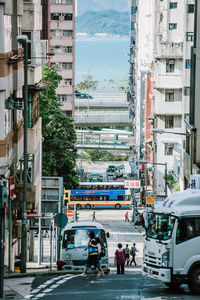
(169, 50)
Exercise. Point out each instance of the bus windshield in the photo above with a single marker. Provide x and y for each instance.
(160, 226)
(78, 238)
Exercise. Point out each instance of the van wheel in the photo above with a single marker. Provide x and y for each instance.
(88, 206)
(78, 206)
(117, 206)
(173, 285)
(194, 281)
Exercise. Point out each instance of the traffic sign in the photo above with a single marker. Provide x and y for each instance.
(150, 200)
(70, 213)
(52, 222)
(60, 220)
(12, 187)
(133, 184)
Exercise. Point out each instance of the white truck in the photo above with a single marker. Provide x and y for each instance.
(75, 242)
(172, 241)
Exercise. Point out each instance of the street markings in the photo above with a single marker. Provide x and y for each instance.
(50, 288)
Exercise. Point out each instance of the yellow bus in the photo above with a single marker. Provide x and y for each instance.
(98, 195)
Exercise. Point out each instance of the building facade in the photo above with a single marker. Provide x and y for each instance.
(62, 49)
(19, 17)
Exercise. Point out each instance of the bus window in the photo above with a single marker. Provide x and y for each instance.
(120, 197)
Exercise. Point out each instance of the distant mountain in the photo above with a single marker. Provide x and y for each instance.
(109, 21)
(102, 5)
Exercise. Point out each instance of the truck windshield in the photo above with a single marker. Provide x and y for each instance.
(160, 226)
(78, 238)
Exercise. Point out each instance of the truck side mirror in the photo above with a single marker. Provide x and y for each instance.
(107, 234)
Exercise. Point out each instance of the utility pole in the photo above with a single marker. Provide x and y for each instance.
(3, 195)
(23, 39)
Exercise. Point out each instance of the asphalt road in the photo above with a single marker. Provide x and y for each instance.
(131, 285)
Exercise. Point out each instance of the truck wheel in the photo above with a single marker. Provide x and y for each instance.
(117, 206)
(173, 285)
(194, 281)
(78, 206)
(88, 206)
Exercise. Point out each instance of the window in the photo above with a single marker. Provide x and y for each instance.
(55, 17)
(187, 63)
(186, 91)
(67, 65)
(57, 66)
(169, 149)
(169, 96)
(169, 122)
(67, 33)
(67, 49)
(172, 26)
(190, 8)
(67, 17)
(67, 1)
(65, 98)
(58, 1)
(189, 36)
(188, 228)
(170, 63)
(53, 33)
(172, 5)
(68, 81)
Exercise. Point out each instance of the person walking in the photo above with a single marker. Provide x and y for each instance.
(94, 216)
(133, 253)
(120, 259)
(99, 245)
(127, 254)
(93, 254)
(126, 217)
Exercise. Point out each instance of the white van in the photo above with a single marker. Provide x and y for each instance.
(75, 242)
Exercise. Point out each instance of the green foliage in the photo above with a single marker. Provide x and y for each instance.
(59, 152)
(87, 83)
(108, 21)
(172, 183)
(99, 155)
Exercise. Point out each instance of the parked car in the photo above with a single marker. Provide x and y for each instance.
(83, 96)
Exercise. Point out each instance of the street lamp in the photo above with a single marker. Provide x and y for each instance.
(23, 39)
(161, 131)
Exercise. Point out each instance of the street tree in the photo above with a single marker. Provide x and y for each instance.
(87, 83)
(59, 152)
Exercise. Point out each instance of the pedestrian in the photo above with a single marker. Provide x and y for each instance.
(133, 253)
(92, 254)
(126, 217)
(94, 216)
(100, 250)
(120, 259)
(127, 254)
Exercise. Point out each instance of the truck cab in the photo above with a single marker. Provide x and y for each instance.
(172, 241)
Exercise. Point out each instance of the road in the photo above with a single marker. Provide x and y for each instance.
(131, 285)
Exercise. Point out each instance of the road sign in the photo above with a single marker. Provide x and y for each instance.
(60, 220)
(52, 222)
(12, 187)
(70, 213)
(150, 200)
(133, 184)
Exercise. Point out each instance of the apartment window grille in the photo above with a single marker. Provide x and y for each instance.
(189, 36)
(68, 81)
(173, 5)
(55, 17)
(187, 63)
(58, 1)
(172, 26)
(68, 33)
(186, 91)
(67, 49)
(53, 33)
(67, 17)
(169, 96)
(67, 66)
(190, 8)
(170, 65)
(169, 149)
(57, 66)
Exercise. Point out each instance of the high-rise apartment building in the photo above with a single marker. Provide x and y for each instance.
(62, 48)
(165, 80)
